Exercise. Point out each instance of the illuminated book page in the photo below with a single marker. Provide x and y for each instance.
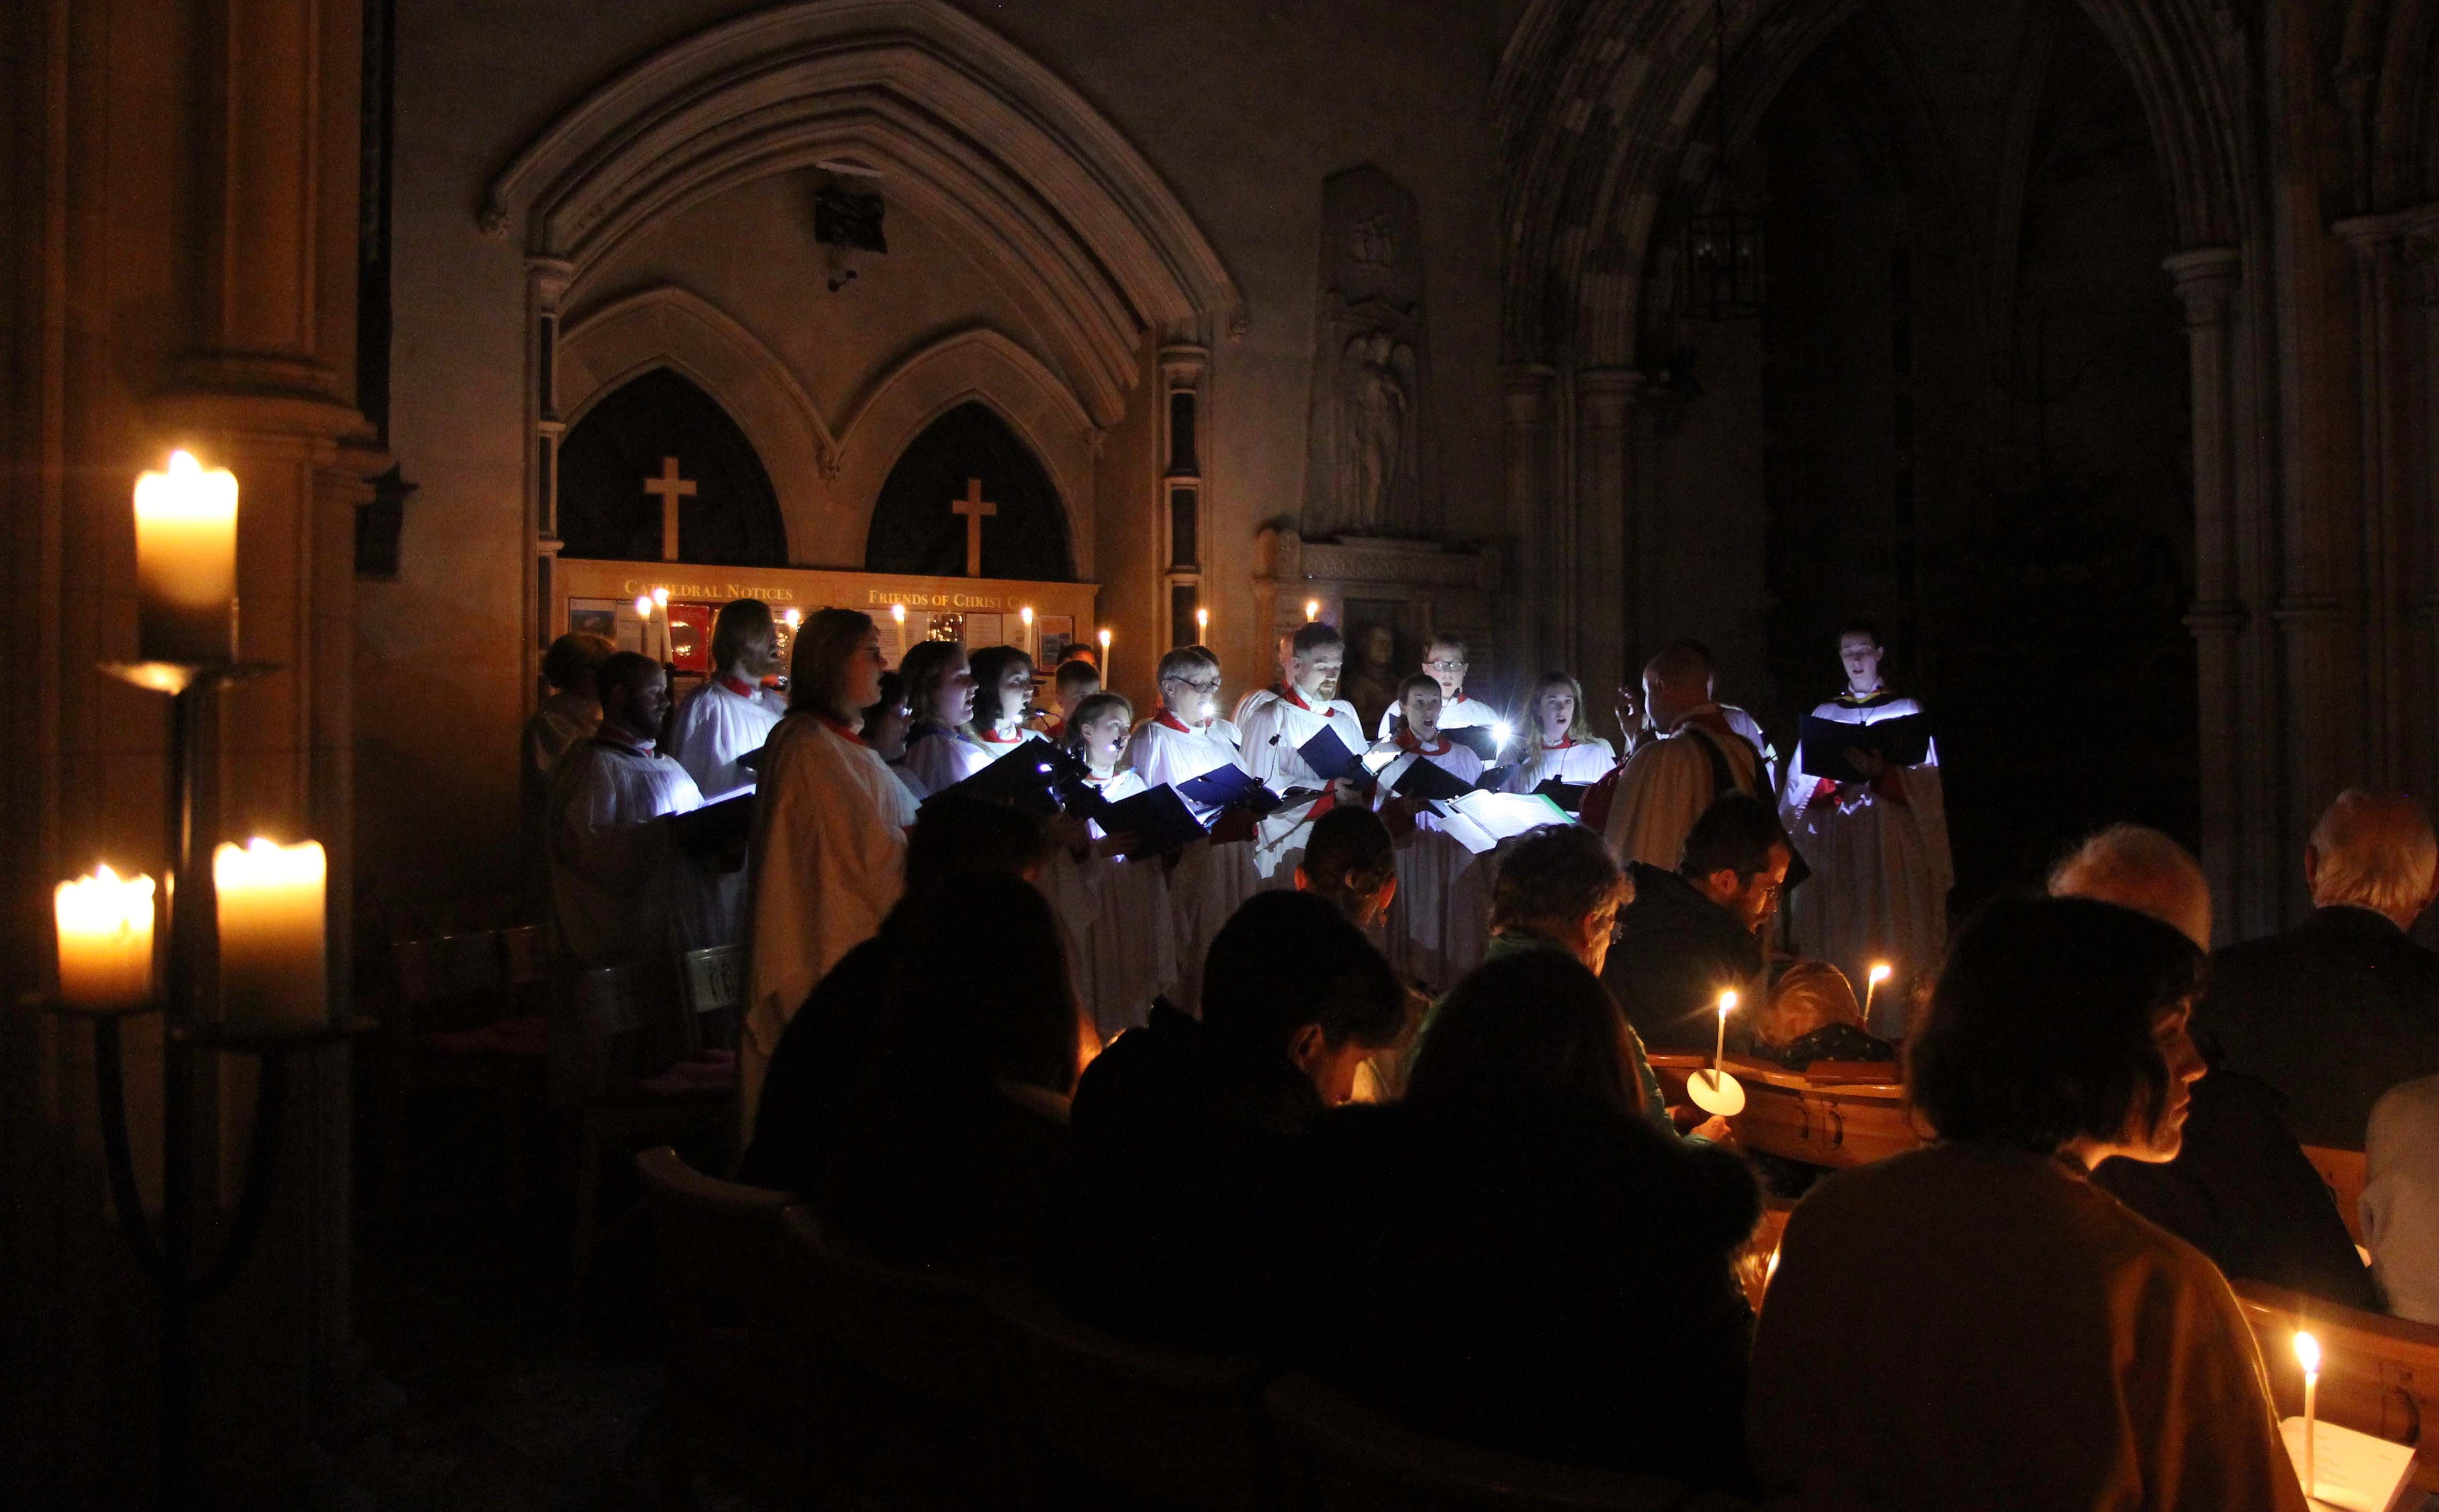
(2357, 1472)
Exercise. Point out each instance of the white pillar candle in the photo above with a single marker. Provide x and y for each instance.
(271, 957)
(105, 924)
(1105, 659)
(186, 562)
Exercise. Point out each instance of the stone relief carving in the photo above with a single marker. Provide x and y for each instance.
(1368, 464)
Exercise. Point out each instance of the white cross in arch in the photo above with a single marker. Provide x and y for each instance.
(975, 511)
(671, 488)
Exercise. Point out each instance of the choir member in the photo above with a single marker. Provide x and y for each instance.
(1695, 930)
(1075, 682)
(1740, 720)
(828, 848)
(1664, 786)
(941, 690)
(1877, 849)
(1279, 725)
(2400, 1198)
(1976, 1319)
(2343, 1005)
(566, 717)
(958, 1125)
(1445, 661)
(1002, 696)
(1559, 744)
(1120, 920)
(1182, 1225)
(1436, 928)
(886, 724)
(1183, 740)
(1512, 1257)
(2240, 1190)
(619, 882)
(730, 715)
(828, 1042)
(1812, 1015)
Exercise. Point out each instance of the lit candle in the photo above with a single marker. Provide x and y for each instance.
(271, 914)
(897, 613)
(2308, 1354)
(661, 601)
(1203, 624)
(794, 617)
(1872, 980)
(644, 612)
(186, 562)
(105, 924)
(1311, 610)
(1105, 656)
(1727, 1005)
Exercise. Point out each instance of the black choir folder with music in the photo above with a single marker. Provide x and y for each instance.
(1903, 741)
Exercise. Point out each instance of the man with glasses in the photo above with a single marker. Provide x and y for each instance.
(1696, 931)
(1446, 661)
(1185, 738)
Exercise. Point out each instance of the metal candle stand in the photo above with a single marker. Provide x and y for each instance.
(189, 897)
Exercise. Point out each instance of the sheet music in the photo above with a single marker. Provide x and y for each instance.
(2357, 1472)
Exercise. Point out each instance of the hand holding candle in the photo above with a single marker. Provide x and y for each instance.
(2308, 1354)
(105, 924)
(271, 916)
(1715, 1091)
(186, 562)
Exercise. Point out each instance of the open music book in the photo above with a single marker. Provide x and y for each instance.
(2356, 1473)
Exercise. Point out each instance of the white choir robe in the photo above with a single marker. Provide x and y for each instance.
(1120, 925)
(714, 726)
(827, 861)
(1746, 726)
(1583, 762)
(1459, 713)
(1881, 865)
(1208, 881)
(1669, 783)
(621, 890)
(1272, 734)
(1439, 922)
(941, 758)
(916, 789)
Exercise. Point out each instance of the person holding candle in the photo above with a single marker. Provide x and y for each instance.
(1699, 928)
(826, 858)
(730, 715)
(1975, 1323)
(1812, 1015)
(615, 870)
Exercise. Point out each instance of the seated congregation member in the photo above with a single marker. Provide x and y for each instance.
(1179, 1223)
(2240, 1189)
(1695, 758)
(1812, 1015)
(2343, 1005)
(1696, 931)
(1352, 865)
(1184, 739)
(1446, 661)
(830, 1039)
(1436, 928)
(1075, 682)
(2400, 1198)
(1975, 1324)
(1513, 1256)
(940, 688)
(1002, 691)
(1560, 745)
(619, 883)
(730, 715)
(829, 850)
(1277, 726)
(958, 1124)
(1120, 925)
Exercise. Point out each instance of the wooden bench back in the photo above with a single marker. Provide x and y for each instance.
(2379, 1375)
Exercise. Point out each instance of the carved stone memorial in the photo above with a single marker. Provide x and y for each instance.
(1369, 471)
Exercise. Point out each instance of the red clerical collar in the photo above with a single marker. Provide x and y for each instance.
(1407, 740)
(735, 685)
(1298, 699)
(838, 727)
(1171, 720)
(991, 739)
(1564, 743)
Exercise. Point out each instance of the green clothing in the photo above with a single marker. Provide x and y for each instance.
(1655, 1106)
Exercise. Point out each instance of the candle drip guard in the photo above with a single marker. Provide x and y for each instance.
(166, 1255)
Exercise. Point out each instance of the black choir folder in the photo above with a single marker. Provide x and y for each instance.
(1426, 779)
(1482, 740)
(1330, 759)
(1028, 777)
(1229, 786)
(715, 826)
(1903, 742)
(1156, 821)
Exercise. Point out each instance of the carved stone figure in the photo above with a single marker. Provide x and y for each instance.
(1377, 383)
(1368, 464)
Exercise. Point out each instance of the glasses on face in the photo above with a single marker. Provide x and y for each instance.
(1443, 665)
(1200, 684)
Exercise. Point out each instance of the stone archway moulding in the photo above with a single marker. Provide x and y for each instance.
(673, 328)
(964, 128)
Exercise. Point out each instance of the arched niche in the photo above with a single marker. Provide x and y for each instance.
(624, 441)
(915, 529)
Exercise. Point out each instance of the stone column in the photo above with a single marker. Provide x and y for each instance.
(2205, 282)
(1603, 544)
(2384, 406)
(1538, 623)
(547, 281)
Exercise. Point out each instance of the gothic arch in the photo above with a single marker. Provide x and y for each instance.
(973, 364)
(673, 328)
(966, 130)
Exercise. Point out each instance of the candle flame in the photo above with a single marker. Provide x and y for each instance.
(1313, 609)
(661, 597)
(1880, 972)
(1202, 619)
(183, 464)
(1105, 640)
(643, 606)
(104, 903)
(2308, 1353)
(794, 617)
(1727, 1003)
(897, 613)
(1025, 613)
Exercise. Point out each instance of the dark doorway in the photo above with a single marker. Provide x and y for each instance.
(732, 517)
(915, 530)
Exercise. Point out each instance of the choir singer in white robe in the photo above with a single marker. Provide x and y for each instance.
(1667, 782)
(1183, 740)
(1121, 927)
(1560, 745)
(1877, 849)
(1447, 661)
(620, 888)
(940, 690)
(828, 851)
(1274, 731)
(1439, 921)
(730, 715)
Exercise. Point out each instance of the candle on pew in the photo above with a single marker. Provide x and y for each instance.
(271, 916)
(186, 562)
(105, 933)
(2308, 1354)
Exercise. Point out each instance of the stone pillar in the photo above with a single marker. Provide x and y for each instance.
(1603, 547)
(1539, 625)
(547, 281)
(2205, 282)
(2385, 408)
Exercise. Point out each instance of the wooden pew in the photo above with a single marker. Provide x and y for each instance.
(1833, 1113)
(2379, 1375)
